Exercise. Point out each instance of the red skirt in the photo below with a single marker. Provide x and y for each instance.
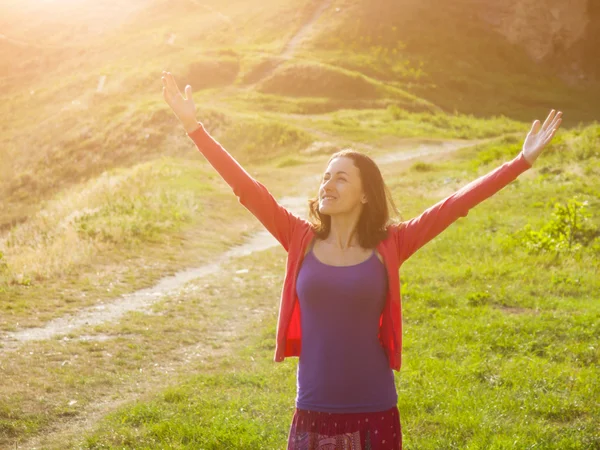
(314, 430)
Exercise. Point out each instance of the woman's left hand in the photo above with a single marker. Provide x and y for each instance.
(537, 139)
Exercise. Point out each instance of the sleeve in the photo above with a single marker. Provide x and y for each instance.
(413, 234)
(255, 197)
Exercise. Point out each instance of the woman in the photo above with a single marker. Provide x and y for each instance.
(342, 273)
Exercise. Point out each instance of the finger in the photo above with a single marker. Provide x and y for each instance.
(556, 122)
(550, 136)
(166, 90)
(554, 127)
(169, 83)
(535, 127)
(167, 95)
(188, 92)
(174, 86)
(548, 120)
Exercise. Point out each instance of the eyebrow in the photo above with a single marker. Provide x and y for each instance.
(339, 171)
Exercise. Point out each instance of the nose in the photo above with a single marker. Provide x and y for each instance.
(325, 192)
(326, 183)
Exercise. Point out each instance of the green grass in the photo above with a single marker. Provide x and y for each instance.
(103, 194)
(522, 310)
(500, 347)
(394, 121)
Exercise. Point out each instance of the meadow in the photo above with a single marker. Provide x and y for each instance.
(500, 342)
(103, 194)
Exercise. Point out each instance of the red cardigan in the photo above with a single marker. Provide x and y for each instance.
(295, 233)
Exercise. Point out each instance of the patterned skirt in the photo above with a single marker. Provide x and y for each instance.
(314, 430)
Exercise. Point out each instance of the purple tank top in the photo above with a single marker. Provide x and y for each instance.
(342, 366)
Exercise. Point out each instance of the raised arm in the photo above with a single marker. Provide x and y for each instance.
(279, 221)
(413, 234)
(251, 193)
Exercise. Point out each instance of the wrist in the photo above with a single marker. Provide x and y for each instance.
(526, 158)
(191, 126)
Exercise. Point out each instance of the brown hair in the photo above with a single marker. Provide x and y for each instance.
(374, 219)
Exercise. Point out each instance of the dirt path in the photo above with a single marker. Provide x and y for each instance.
(143, 300)
(291, 46)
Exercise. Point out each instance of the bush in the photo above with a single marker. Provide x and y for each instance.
(568, 230)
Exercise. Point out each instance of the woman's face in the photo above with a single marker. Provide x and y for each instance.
(341, 180)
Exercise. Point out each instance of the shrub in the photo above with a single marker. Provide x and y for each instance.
(568, 230)
(478, 298)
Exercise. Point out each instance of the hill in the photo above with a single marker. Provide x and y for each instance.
(80, 83)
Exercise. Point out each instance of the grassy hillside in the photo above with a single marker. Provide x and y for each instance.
(60, 131)
(499, 337)
(441, 53)
(104, 194)
(499, 344)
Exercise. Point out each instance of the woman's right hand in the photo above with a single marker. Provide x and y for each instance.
(184, 108)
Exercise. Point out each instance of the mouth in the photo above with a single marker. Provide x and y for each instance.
(327, 199)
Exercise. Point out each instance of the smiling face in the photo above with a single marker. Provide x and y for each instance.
(341, 181)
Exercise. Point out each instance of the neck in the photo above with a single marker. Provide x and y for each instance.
(343, 233)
